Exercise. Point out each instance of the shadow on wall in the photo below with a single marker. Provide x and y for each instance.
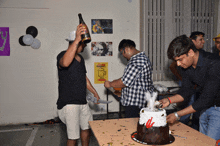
(122, 59)
(86, 52)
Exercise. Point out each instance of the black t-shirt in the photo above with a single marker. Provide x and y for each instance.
(72, 82)
(206, 76)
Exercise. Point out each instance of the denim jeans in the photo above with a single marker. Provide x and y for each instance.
(210, 122)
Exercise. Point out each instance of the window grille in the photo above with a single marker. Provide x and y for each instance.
(153, 34)
(180, 17)
(202, 19)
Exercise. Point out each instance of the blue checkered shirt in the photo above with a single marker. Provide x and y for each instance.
(138, 79)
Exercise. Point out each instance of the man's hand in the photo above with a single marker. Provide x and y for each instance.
(107, 84)
(165, 102)
(171, 118)
(80, 30)
(97, 97)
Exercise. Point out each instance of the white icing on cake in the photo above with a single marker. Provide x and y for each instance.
(159, 117)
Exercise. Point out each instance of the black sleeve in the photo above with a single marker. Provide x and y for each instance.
(187, 88)
(59, 56)
(210, 89)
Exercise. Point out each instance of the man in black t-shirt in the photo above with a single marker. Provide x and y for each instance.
(73, 109)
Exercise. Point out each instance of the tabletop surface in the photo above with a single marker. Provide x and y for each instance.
(117, 132)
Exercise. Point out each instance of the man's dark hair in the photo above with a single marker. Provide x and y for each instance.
(126, 43)
(194, 34)
(179, 46)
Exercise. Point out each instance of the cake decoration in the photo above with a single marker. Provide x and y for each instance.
(148, 124)
(152, 127)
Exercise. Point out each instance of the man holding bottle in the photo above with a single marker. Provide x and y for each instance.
(73, 109)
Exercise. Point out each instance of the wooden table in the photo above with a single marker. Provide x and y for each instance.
(117, 132)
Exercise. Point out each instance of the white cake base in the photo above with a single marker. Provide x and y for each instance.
(159, 117)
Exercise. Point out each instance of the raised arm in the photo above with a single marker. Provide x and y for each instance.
(68, 57)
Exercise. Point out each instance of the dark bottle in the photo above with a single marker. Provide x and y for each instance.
(85, 37)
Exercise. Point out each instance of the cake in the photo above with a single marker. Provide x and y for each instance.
(152, 127)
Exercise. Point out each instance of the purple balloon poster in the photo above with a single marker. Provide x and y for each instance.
(4, 41)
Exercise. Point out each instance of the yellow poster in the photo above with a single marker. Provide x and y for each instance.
(100, 72)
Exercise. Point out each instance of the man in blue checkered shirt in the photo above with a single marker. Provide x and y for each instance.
(136, 80)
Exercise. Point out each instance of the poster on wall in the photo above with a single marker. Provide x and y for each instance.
(102, 26)
(101, 48)
(4, 41)
(100, 72)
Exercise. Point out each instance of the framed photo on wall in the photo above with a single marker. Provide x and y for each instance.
(101, 48)
(102, 26)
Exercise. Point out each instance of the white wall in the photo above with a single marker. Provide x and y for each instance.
(28, 78)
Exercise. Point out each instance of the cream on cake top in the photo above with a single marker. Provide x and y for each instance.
(159, 117)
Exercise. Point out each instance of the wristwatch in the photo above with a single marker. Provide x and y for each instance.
(177, 116)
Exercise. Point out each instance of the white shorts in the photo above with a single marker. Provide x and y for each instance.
(75, 116)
